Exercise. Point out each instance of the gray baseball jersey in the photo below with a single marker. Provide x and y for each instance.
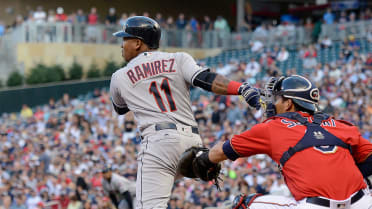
(155, 87)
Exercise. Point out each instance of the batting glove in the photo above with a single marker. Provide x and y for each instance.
(251, 95)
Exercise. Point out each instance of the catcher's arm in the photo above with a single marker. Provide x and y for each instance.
(216, 153)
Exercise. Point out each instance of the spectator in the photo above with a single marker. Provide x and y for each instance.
(326, 42)
(256, 46)
(228, 68)
(39, 15)
(33, 200)
(309, 57)
(181, 22)
(123, 19)
(234, 113)
(328, 17)
(93, 17)
(61, 16)
(353, 43)
(81, 18)
(282, 55)
(111, 18)
(367, 14)
(74, 203)
(170, 23)
(252, 68)
(343, 17)
(221, 24)
(207, 23)
(51, 16)
(279, 188)
(26, 112)
(18, 202)
(159, 18)
(19, 20)
(261, 32)
(194, 25)
(352, 17)
(91, 29)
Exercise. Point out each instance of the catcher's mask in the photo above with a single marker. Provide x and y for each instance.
(302, 92)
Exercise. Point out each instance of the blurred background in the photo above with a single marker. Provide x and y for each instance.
(57, 124)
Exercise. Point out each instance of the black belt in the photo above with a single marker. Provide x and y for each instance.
(326, 203)
(162, 126)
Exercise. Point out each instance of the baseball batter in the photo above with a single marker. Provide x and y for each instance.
(323, 160)
(155, 86)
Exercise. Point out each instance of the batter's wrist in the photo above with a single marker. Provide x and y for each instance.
(233, 88)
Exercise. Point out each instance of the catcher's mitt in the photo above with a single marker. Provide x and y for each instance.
(194, 163)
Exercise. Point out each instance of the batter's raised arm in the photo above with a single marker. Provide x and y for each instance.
(219, 84)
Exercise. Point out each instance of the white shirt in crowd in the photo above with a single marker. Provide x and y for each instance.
(252, 68)
(282, 55)
(257, 46)
(32, 202)
(226, 69)
(39, 16)
(279, 188)
(327, 42)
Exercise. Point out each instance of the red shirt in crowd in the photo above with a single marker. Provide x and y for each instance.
(96, 181)
(61, 17)
(92, 19)
(308, 54)
(310, 172)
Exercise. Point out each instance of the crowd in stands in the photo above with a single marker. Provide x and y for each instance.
(261, 27)
(52, 154)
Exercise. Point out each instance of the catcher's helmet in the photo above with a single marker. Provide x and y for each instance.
(302, 92)
(144, 28)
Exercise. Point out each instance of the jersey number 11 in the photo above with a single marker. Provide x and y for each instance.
(164, 86)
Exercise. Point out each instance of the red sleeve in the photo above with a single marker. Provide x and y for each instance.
(361, 147)
(254, 141)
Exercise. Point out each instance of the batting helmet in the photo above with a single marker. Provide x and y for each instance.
(302, 92)
(143, 28)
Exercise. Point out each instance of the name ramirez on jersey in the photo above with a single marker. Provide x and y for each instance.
(154, 68)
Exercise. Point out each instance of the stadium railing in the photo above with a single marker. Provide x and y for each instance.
(61, 32)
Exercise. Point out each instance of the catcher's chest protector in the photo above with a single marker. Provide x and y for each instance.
(315, 136)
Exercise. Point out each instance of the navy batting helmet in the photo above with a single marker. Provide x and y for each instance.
(143, 28)
(302, 92)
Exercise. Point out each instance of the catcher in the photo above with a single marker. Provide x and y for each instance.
(323, 160)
